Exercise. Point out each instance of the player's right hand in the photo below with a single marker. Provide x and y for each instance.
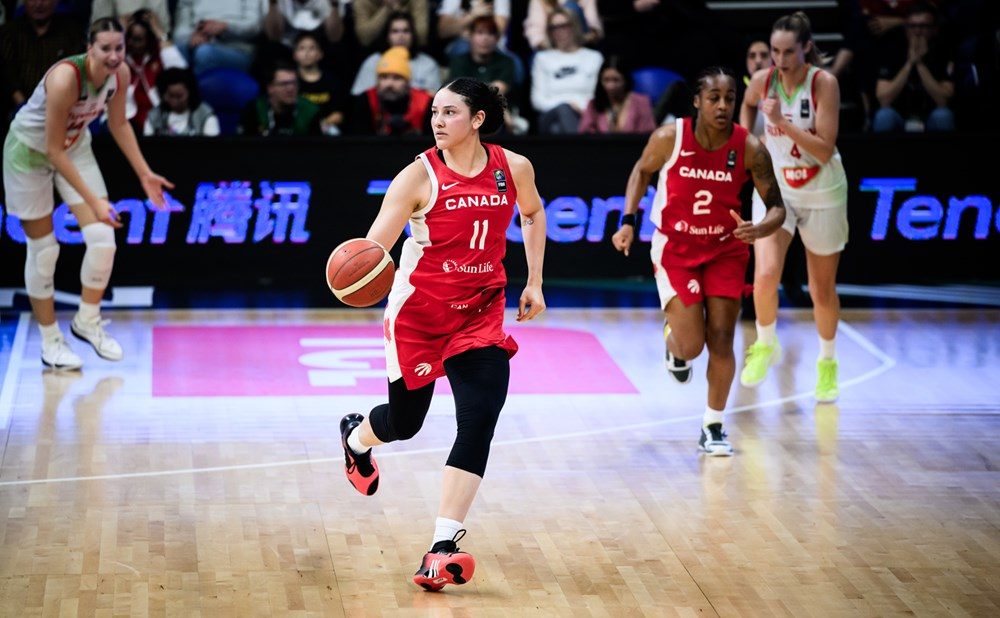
(106, 213)
(622, 240)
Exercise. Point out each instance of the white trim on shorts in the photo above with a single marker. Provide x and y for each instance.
(663, 287)
(402, 289)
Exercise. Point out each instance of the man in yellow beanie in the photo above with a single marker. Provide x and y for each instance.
(392, 107)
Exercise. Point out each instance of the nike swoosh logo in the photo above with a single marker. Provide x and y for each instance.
(687, 153)
(445, 187)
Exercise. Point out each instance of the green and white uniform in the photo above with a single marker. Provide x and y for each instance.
(28, 175)
(815, 193)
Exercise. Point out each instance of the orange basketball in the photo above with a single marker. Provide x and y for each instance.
(359, 272)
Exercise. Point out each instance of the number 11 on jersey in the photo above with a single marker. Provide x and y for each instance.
(481, 236)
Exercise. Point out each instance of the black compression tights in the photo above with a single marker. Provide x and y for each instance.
(479, 380)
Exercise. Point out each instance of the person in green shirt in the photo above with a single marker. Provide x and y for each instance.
(281, 111)
(484, 62)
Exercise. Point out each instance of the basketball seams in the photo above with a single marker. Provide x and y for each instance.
(353, 269)
(372, 267)
(368, 278)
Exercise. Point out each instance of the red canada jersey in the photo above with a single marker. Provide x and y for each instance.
(696, 191)
(459, 239)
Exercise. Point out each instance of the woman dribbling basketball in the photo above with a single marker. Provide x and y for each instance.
(445, 312)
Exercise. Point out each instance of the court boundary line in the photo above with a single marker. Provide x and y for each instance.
(14, 363)
(886, 363)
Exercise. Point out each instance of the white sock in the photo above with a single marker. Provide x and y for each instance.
(89, 312)
(50, 332)
(827, 348)
(354, 442)
(445, 529)
(711, 417)
(767, 334)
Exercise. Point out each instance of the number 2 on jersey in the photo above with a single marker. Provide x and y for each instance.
(476, 234)
(702, 199)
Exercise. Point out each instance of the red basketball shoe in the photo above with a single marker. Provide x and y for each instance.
(362, 471)
(445, 564)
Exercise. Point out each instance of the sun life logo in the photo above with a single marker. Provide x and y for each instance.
(449, 265)
(681, 226)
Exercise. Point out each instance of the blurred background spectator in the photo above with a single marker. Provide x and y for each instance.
(455, 18)
(615, 108)
(758, 57)
(399, 32)
(317, 85)
(148, 51)
(180, 110)
(32, 42)
(281, 111)
(372, 16)
(285, 19)
(483, 61)
(123, 10)
(563, 77)
(218, 33)
(393, 106)
(538, 14)
(915, 84)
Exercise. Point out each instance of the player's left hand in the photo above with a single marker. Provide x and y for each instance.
(153, 185)
(532, 303)
(745, 230)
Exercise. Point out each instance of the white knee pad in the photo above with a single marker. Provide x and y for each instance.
(99, 256)
(40, 267)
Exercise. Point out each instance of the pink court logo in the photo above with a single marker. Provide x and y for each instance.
(265, 361)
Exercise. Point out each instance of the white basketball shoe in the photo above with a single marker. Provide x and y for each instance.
(57, 355)
(93, 333)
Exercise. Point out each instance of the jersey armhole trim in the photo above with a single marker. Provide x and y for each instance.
(678, 140)
(76, 69)
(812, 88)
(432, 177)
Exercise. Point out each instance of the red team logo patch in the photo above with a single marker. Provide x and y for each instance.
(798, 177)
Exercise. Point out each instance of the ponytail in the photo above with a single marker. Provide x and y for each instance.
(798, 22)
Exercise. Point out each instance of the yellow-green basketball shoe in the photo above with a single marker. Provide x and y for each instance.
(826, 380)
(760, 358)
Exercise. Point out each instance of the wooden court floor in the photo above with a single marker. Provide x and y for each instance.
(203, 476)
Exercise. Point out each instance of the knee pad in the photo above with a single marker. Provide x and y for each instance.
(99, 256)
(391, 425)
(40, 267)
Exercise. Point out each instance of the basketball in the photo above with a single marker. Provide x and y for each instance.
(359, 272)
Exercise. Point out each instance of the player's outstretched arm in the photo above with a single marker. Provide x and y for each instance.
(409, 191)
(658, 149)
(762, 171)
(121, 130)
(529, 203)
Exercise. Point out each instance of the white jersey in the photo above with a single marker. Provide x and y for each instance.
(812, 183)
(29, 123)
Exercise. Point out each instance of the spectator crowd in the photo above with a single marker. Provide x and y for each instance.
(371, 67)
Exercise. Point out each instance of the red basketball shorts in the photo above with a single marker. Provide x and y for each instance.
(421, 332)
(692, 274)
